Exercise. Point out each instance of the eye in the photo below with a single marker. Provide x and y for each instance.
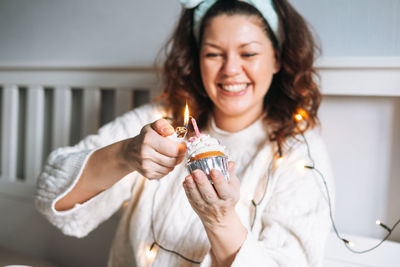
(212, 55)
(249, 54)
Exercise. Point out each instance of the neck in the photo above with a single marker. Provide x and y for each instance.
(234, 123)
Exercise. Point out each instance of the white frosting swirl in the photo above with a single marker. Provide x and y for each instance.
(205, 143)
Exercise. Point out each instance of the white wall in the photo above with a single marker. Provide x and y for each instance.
(130, 32)
(122, 32)
(363, 138)
(356, 27)
(362, 133)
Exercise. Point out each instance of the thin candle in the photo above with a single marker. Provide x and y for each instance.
(196, 129)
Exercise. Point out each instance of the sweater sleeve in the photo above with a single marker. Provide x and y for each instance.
(295, 222)
(64, 167)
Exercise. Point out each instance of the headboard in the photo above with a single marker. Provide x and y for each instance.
(45, 108)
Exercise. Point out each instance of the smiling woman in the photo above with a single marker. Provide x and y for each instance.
(276, 48)
(246, 70)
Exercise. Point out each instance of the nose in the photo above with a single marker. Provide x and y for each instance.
(232, 65)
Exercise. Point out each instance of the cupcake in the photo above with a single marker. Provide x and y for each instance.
(206, 153)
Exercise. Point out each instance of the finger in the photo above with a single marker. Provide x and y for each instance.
(205, 188)
(192, 192)
(221, 186)
(162, 169)
(170, 148)
(150, 169)
(163, 145)
(163, 160)
(231, 169)
(162, 127)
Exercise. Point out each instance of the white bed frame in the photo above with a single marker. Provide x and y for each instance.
(40, 103)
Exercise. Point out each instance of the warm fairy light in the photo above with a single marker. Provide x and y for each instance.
(279, 160)
(300, 115)
(301, 165)
(150, 253)
(381, 224)
(186, 120)
(349, 243)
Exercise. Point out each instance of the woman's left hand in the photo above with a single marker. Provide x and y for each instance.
(214, 205)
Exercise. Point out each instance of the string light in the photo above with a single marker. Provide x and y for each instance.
(348, 244)
(300, 117)
(155, 242)
(150, 253)
(279, 160)
(378, 222)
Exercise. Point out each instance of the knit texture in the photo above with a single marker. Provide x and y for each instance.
(291, 223)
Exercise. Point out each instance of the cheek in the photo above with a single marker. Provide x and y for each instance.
(263, 73)
(209, 71)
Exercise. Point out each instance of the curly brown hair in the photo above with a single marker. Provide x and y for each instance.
(293, 88)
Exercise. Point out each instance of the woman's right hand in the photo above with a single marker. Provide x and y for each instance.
(151, 153)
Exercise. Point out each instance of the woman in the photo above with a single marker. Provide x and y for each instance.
(246, 70)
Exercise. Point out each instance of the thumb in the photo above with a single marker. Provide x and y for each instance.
(162, 127)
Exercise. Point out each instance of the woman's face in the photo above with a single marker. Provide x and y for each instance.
(237, 63)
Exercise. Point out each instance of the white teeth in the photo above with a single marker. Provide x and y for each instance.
(234, 87)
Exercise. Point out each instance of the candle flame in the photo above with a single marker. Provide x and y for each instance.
(186, 120)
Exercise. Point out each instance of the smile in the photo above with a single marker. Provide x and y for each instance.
(234, 89)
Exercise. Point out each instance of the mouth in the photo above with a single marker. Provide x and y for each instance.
(234, 89)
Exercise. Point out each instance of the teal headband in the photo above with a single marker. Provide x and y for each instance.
(265, 7)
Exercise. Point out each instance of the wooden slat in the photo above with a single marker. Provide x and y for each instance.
(91, 110)
(62, 116)
(34, 130)
(123, 100)
(9, 134)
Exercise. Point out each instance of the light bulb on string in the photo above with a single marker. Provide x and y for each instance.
(150, 253)
(381, 224)
(349, 243)
(279, 160)
(298, 117)
(301, 117)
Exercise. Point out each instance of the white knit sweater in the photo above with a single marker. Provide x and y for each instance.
(292, 220)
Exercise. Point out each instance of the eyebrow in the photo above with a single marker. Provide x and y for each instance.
(241, 46)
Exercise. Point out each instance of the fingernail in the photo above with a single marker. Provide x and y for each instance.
(167, 130)
(196, 174)
(188, 180)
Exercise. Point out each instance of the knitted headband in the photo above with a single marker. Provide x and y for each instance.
(265, 7)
